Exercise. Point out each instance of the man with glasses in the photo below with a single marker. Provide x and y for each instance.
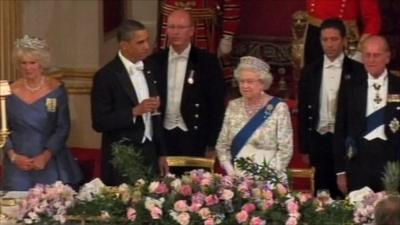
(191, 87)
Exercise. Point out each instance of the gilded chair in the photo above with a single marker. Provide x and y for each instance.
(302, 173)
(188, 161)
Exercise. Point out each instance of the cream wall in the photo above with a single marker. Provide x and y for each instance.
(73, 31)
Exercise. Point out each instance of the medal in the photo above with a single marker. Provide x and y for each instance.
(190, 79)
(394, 125)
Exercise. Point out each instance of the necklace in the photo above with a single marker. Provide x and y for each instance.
(252, 109)
(37, 88)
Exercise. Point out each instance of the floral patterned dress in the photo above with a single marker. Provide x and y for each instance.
(272, 141)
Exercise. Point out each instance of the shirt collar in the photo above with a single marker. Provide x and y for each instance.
(335, 63)
(129, 64)
(380, 79)
(184, 54)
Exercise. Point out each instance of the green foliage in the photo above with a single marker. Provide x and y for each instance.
(129, 161)
(338, 213)
(391, 177)
(261, 172)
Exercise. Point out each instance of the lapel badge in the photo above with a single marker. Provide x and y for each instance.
(347, 77)
(191, 79)
(394, 125)
(393, 98)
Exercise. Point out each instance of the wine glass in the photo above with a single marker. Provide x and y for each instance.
(156, 112)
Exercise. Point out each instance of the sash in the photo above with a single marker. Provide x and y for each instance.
(375, 119)
(258, 119)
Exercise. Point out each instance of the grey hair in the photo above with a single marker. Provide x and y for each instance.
(256, 65)
(32, 46)
(127, 28)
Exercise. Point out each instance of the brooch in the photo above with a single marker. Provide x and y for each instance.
(394, 125)
(191, 79)
(51, 104)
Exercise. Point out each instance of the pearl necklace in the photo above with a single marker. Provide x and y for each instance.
(252, 109)
(37, 88)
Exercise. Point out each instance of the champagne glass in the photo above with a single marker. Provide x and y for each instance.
(156, 112)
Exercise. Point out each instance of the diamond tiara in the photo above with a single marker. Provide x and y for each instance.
(253, 62)
(30, 42)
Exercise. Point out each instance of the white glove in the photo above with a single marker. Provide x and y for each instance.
(228, 167)
(225, 45)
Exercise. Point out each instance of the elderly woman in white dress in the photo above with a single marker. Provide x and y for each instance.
(256, 125)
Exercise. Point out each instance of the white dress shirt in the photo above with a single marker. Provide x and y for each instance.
(135, 71)
(177, 64)
(331, 75)
(372, 105)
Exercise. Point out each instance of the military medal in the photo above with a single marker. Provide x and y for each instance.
(377, 98)
(190, 79)
(394, 125)
(51, 104)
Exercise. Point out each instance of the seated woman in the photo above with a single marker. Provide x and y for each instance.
(256, 125)
(39, 120)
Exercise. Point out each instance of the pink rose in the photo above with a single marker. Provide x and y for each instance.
(156, 213)
(267, 194)
(162, 188)
(186, 190)
(227, 194)
(183, 218)
(292, 207)
(195, 207)
(257, 221)
(291, 221)
(211, 200)
(131, 214)
(181, 206)
(198, 198)
(268, 204)
(206, 181)
(242, 216)
(209, 221)
(204, 213)
(249, 207)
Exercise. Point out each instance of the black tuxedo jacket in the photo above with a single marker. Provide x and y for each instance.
(202, 103)
(309, 98)
(112, 100)
(351, 117)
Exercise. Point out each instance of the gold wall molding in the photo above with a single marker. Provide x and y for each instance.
(10, 30)
(77, 81)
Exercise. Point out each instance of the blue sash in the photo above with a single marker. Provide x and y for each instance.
(375, 119)
(245, 133)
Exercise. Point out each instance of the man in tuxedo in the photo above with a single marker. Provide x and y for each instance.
(367, 130)
(318, 88)
(123, 100)
(191, 87)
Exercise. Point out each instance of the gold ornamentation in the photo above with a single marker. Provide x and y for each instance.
(51, 104)
(394, 125)
(393, 98)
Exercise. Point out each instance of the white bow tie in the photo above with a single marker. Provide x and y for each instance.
(332, 65)
(138, 66)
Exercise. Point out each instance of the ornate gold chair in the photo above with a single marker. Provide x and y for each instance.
(302, 173)
(188, 161)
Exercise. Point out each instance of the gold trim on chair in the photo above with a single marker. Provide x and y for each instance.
(183, 161)
(303, 173)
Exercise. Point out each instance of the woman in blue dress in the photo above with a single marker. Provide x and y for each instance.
(39, 121)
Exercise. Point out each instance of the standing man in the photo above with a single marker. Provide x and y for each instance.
(367, 130)
(191, 87)
(352, 12)
(122, 102)
(318, 90)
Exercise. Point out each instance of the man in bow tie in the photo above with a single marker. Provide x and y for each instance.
(367, 133)
(191, 87)
(123, 100)
(318, 90)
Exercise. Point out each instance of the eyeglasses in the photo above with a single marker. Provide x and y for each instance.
(178, 27)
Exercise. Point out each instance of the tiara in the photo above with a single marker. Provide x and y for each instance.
(30, 42)
(253, 62)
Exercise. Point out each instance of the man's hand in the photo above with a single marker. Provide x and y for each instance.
(341, 180)
(163, 165)
(40, 161)
(148, 105)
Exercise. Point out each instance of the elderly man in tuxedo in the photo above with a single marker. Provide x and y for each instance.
(318, 90)
(367, 130)
(191, 87)
(123, 98)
